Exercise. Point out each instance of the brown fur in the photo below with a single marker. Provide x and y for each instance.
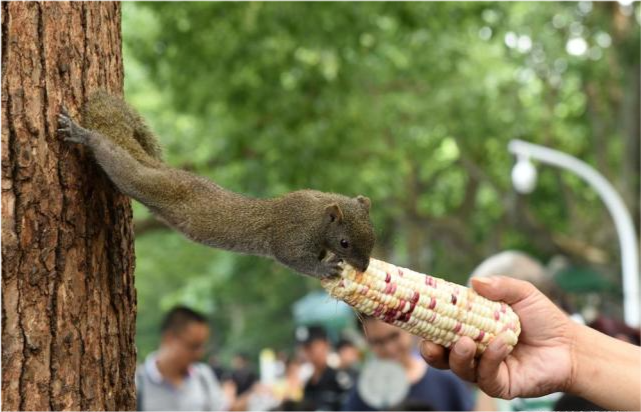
(306, 230)
(114, 119)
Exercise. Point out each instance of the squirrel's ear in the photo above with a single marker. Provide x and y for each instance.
(364, 201)
(334, 213)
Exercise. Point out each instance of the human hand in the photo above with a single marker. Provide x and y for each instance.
(540, 363)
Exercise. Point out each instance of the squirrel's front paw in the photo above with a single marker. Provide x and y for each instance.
(334, 270)
(69, 130)
(332, 267)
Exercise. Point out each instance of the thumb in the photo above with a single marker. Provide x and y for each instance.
(508, 290)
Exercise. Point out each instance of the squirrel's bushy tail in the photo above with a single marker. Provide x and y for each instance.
(115, 119)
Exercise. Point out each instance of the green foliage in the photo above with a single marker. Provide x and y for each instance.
(411, 104)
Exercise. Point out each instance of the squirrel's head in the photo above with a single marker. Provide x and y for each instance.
(350, 235)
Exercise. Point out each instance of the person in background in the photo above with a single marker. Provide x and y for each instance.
(326, 388)
(289, 388)
(276, 391)
(242, 373)
(281, 363)
(291, 406)
(430, 389)
(217, 367)
(172, 378)
(350, 357)
(519, 265)
(616, 329)
(412, 407)
(223, 375)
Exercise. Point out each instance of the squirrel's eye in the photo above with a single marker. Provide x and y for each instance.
(344, 243)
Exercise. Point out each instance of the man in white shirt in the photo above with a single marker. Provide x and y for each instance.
(172, 378)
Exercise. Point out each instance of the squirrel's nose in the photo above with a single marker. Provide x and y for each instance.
(363, 264)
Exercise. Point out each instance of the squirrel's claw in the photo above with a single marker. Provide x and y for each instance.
(333, 269)
(331, 265)
(64, 125)
(68, 130)
(64, 120)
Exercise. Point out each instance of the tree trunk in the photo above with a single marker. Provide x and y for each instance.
(68, 298)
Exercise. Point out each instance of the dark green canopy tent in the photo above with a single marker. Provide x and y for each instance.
(576, 279)
(318, 308)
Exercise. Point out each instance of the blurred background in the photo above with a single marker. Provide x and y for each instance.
(411, 104)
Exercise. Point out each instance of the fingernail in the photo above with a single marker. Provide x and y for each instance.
(425, 352)
(498, 344)
(461, 350)
(483, 280)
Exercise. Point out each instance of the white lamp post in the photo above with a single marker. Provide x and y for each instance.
(524, 180)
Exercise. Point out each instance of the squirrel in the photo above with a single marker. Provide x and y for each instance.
(309, 231)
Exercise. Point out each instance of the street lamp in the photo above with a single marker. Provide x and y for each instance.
(524, 180)
(524, 175)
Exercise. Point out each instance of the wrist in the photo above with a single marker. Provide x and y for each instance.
(589, 355)
(91, 137)
(83, 135)
(576, 343)
(603, 366)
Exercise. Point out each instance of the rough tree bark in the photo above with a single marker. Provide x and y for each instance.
(68, 298)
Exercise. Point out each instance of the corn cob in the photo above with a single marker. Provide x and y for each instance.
(426, 306)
